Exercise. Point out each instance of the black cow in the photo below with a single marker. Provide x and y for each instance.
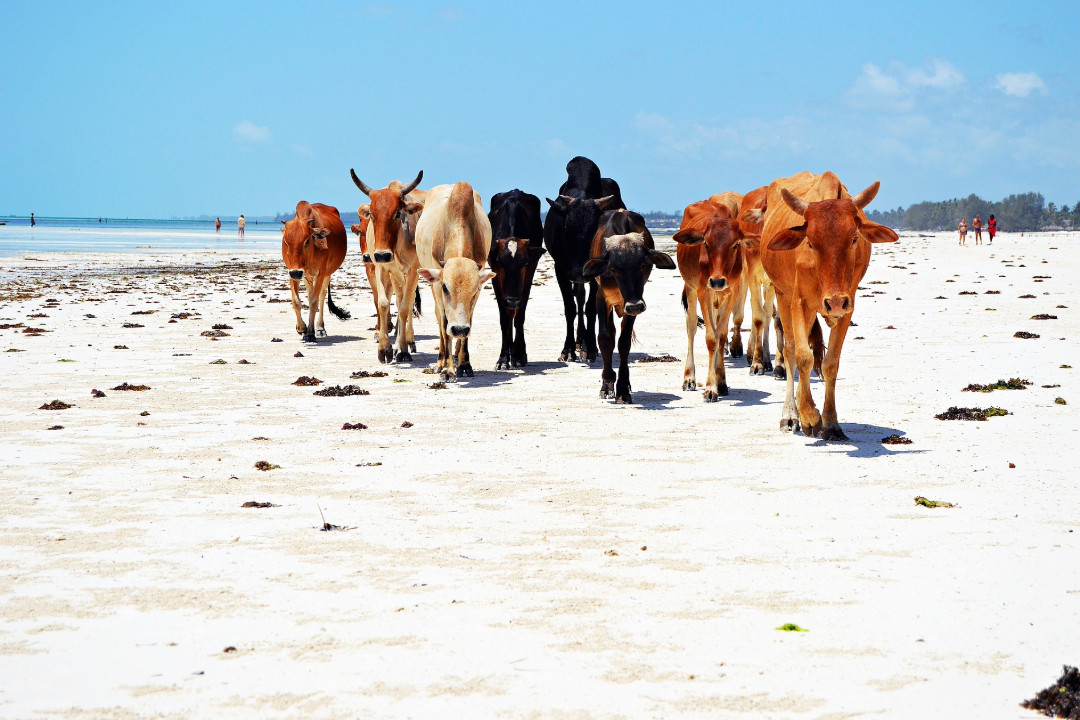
(568, 233)
(516, 246)
(623, 256)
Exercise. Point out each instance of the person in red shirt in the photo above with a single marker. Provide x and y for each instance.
(991, 228)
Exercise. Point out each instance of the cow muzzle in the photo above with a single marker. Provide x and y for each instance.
(717, 283)
(634, 308)
(383, 256)
(836, 306)
(296, 274)
(513, 303)
(459, 331)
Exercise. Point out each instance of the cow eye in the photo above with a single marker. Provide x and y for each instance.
(446, 291)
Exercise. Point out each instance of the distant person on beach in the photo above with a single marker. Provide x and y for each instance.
(217, 224)
(976, 225)
(240, 226)
(32, 221)
(962, 229)
(991, 228)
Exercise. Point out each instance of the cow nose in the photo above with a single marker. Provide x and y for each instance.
(296, 274)
(718, 283)
(635, 308)
(367, 257)
(459, 331)
(384, 256)
(837, 305)
(513, 303)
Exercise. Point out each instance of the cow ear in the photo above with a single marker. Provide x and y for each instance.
(662, 260)
(320, 242)
(595, 267)
(321, 232)
(283, 228)
(414, 207)
(430, 275)
(484, 277)
(364, 211)
(536, 252)
(753, 216)
(688, 237)
(788, 239)
(877, 233)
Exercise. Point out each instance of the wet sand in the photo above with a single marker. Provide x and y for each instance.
(524, 549)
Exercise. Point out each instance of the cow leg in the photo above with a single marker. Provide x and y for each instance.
(715, 335)
(463, 365)
(606, 337)
(626, 334)
(588, 343)
(566, 288)
(768, 313)
(413, 281)
(323, 285)
(405, 301)
(518, 355)
(369, 270)
(505, 324)
(689, 373)
(780, 367)
(830, 426)
(757, 310)
(313, 308)
(385, 284)
(444, 366)
(789, 417)
(735, 346)
(801, 321)
(294, 288)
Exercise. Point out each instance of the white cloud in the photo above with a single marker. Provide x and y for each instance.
(896, 86)
(248, 132)
(744, 138)
(1020, 84)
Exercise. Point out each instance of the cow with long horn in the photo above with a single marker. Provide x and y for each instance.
(392, 215)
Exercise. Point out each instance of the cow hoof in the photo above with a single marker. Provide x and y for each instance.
(466, 370)
(589, 356)
(520, 361)
(321, 332)
(766, 366)
(624, 400)
(757, 369)
(310, 338)
(568, 354)
(448, 376)
(689, 385)
(833, 433)
(386, 356)
(779, 372)
(412, 347)
(607, 392)
(503, 364)
(583, 356)
(735, 351)
(788, 424)
(710, 396)
(402, 356)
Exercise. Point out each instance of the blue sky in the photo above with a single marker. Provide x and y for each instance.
(174, 109)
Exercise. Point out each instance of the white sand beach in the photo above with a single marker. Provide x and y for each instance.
(525, 549)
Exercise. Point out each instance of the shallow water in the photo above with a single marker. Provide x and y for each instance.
(16, 240)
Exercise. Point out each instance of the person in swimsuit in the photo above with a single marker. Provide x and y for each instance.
(240, 226)
(962, 229)
(976, 225)
(217, 224)
(33, 222)
(991, 228)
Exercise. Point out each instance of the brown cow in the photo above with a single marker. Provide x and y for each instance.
(393, 213)
(623, 256)
(313, 246)
(756, 284)
(453, 239)
(710, 256)
(360, 230)
(815, 247)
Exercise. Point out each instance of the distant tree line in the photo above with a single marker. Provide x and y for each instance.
(1016, 213)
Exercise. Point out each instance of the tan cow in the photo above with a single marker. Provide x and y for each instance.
(393, 214)
(815, 247)
(710, 257)
(360, 230)
(453, 239)
(313, 246)
(756, 285)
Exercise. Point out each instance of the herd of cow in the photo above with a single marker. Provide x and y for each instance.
(797, 247)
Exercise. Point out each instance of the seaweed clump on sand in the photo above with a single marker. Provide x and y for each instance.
(125, 386)
(367, 374)
(1010, 384)
(307, 380)
(1044, 316)
(354, 426)
(1062, 699)
(341, 391)
(264, 466)
(896, 440)
(55, 405)
(1025, 335)
(662, 358)
(964, 413)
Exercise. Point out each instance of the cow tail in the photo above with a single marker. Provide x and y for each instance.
(817, 344)
(341, 313)
(686, 309)
(416, 304)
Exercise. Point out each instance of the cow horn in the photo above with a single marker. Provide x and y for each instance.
(567, 200)
(796, 204)
(412, 186)
(360, 183)
(863, 199)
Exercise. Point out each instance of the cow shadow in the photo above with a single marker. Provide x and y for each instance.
(864, 441)
(494, 378)
(330, 340)
(652, 400)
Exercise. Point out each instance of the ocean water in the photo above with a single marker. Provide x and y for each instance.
(63, 235)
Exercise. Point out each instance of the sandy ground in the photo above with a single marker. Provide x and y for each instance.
(526, 550)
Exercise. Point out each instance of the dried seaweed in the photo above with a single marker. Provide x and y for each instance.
(791, 627)
(354, 426)
(341, 391)
(219, 362)
(307, 381)
(662, 358)
(264, 466)
(1062, 699)
(965, 413)
(366, 374)
(97, 393)
(55, 405)
(256, 504)
(437, 386)
(144, 312)
(1060, 401)
(1010, 384)
(214, 333)
(1024, 335)
(120, 347)
(1027, 297)
(55, 427)
(133, 325)
(920, 500)
(125, 386)
(1044, 316)
(896, 440)
(222, 326)
(406, 424)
